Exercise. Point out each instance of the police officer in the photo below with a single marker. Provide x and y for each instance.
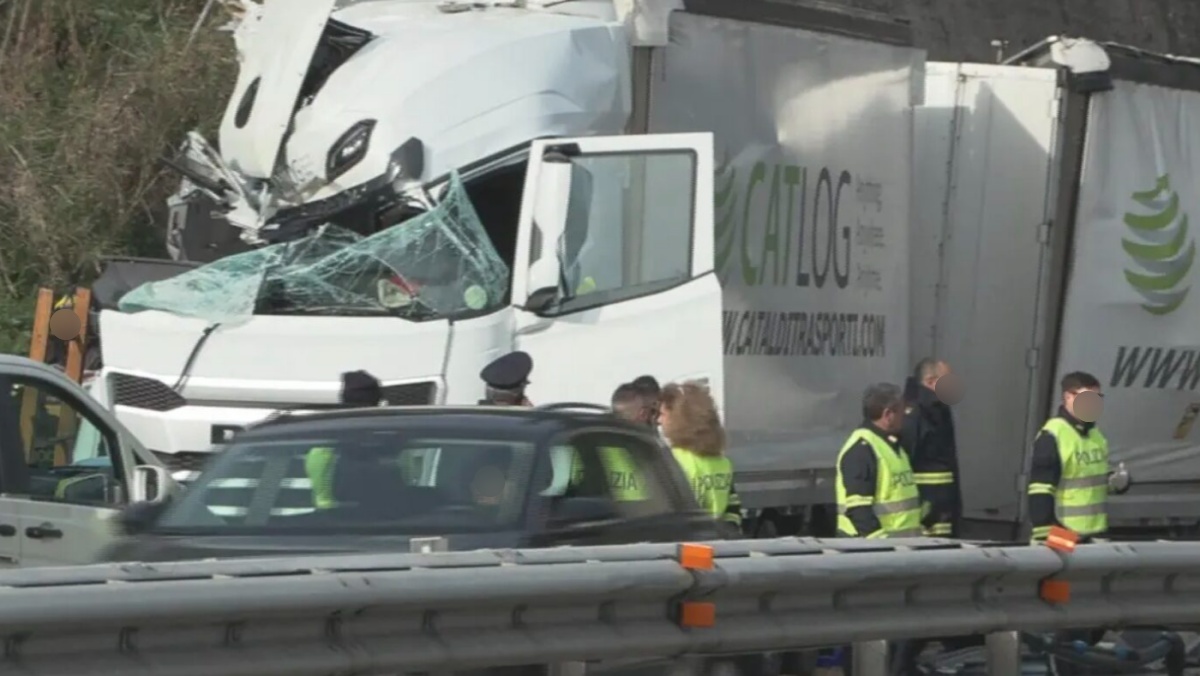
(1068, 479)
(622, 474)
(359, 390)
(876, 494)
(506, 378)
(928, 437)
(693, 429)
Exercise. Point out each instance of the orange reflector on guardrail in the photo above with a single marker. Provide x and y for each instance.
(695, 557)
(1055, 591)
(697, 614)
(1062, 540)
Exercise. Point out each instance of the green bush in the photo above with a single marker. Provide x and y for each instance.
(92, 93)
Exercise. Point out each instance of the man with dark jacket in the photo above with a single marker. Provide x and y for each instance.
(928, 436)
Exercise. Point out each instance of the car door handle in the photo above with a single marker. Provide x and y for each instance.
(46, 531)
(7, 531)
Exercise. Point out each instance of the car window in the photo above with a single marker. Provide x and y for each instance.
(622, 468)
(58, 452)
(359, 481)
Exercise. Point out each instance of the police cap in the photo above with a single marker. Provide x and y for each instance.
(508, 372)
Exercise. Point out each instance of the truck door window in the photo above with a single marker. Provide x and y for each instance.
(64, 455)
(628, 231)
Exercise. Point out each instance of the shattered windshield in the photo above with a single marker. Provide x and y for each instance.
(438, 264)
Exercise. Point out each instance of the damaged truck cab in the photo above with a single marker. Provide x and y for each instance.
(504, 241)
(413, 188)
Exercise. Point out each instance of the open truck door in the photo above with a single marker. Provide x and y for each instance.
(613, 276)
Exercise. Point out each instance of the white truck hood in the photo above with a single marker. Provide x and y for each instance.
(276, 42)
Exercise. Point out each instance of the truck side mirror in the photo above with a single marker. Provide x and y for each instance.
(542, 299)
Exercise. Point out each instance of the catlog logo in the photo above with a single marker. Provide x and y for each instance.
(1160, 249)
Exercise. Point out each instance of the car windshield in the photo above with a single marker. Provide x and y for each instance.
(358, 481)
(438, 264)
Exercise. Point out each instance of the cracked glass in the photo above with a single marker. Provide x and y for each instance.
(437, 264)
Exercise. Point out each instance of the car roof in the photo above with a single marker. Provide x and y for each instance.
(507, 420)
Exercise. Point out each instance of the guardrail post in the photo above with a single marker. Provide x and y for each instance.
(870, 658)
(1004, 653)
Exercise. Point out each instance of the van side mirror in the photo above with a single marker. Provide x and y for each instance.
(151, 483)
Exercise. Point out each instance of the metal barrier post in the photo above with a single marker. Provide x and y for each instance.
(870, 658)
(1003, 653)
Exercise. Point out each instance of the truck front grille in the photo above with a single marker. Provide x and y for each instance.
(410, 394)
(144, 393)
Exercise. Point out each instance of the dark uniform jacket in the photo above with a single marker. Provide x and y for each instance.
(928, 434)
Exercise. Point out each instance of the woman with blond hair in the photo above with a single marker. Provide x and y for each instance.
(690, 423)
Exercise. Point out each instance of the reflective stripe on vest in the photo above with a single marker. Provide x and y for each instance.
(896, 503)
(1080, 501)
(711, 479)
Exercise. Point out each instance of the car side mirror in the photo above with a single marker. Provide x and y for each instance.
(542, 299)
(571, 510)
(139, 517)
(151, 483)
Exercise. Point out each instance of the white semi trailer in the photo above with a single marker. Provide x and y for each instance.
(1053, 193)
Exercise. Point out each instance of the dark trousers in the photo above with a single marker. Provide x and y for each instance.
(945, 508)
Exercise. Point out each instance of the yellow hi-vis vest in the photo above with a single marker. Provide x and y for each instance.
(896, 503)
(711, 479)
(1081, 496)
(625, 480)
(320, 465)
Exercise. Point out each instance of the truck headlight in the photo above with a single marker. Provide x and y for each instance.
(349, 149)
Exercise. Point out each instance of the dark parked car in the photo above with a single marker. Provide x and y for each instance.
(402, 479)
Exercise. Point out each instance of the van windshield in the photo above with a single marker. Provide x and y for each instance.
(358, 481)
(438, 264)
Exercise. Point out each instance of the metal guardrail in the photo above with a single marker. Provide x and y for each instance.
(390, 613)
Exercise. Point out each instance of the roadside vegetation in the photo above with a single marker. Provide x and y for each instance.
(92, 93)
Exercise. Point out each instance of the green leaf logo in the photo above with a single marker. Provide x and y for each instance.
(725, 200)
(1161, 249)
